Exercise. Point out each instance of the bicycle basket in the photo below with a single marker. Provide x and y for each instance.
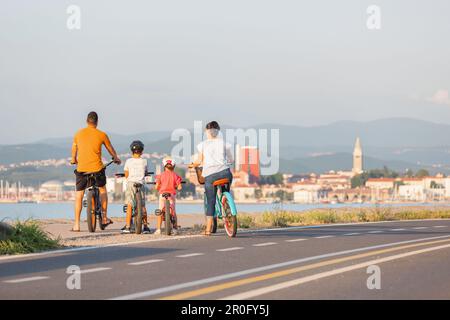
(200, 178)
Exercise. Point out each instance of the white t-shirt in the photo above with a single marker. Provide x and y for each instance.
(136, 167)
(216, 158)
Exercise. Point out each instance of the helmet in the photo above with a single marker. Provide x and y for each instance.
(137, 146)
(168, 160)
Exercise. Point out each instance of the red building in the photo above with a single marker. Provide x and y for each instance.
(249, 162)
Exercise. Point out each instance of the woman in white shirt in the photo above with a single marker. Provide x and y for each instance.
(215, 156)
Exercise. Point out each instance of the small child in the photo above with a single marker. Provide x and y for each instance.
(135, 171)
(168, 182)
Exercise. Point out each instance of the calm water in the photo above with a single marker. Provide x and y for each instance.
(24, 211)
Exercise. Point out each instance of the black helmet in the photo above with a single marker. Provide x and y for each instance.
(137, 146)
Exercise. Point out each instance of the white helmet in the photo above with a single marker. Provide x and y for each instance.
(168, 160)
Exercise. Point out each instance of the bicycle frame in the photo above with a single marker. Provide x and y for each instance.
(222, 193)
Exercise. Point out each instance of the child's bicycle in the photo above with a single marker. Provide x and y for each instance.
(92, 203)
(225, 206)
(167, 212)
(137, 216)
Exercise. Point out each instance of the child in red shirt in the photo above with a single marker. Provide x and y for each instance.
(168, 182)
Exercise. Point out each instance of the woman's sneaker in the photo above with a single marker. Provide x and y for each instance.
(158, 231)
(146, 230)
(126, 230)
(174, 232)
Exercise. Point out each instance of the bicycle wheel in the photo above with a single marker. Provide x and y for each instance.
(167, 217)
(90, 211)
(138, 216)
(229, 215)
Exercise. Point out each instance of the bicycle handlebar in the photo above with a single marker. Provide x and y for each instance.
(182, 182)
(121, 174)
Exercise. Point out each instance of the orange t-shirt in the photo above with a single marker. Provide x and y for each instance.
(89, 143)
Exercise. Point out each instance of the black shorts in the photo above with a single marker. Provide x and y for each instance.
(82, 182)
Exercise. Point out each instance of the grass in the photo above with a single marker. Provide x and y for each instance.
(28, 237)
(282, 218)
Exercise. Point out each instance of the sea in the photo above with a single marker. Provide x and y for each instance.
(64, 210)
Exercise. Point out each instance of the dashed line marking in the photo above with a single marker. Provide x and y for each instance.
(264, 244)
(190, 255)
(296, 240)
(351, 234)
(230, 249)
(399, 229)
(419, 228)
(375, 231)
(94, 270)
(139, 263)
(324, 237)
(26, 279)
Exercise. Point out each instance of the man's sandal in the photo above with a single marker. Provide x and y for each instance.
(108, 222)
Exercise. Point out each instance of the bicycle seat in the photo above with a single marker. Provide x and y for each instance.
(221, 182)
(138, 185)
(166, 195)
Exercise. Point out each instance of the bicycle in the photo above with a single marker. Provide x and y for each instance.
(225, 205)
(136, 216)
(92, 203)
(167, 212)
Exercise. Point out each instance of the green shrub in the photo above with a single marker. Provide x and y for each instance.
(28, 237)
(245, 221)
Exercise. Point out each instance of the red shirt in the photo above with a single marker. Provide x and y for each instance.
(168, 182)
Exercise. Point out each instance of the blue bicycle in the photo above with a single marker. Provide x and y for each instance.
(225, 206)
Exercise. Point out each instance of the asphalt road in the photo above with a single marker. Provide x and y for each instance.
(412, 259)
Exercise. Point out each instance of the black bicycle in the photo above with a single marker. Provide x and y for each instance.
(167, 212)
(137, 217)
(93, 203)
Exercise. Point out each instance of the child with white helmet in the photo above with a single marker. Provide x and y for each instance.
(167, 182)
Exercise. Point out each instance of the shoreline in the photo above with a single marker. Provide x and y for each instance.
(192, 224)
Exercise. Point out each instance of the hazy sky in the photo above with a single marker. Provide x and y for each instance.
(155, 65)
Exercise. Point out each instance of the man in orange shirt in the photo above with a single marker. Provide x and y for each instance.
(87, 155)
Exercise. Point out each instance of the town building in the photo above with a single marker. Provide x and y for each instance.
(357, 158)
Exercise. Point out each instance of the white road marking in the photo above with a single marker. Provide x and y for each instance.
(296, 240)
(26, 279)
(139, 263)
(351, 234)
(324, 237)
(93, 270)
(51, 252)
(400, 229)
(121, 244)
(157, 291)
(190, 255)
(375, 231)
(230, 249)
(419, 228)
(264, 244)
(295, 282)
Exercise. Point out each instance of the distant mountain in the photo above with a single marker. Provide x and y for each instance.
(398, 142)
(391, 132)
(120, 141)
(26, 152)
